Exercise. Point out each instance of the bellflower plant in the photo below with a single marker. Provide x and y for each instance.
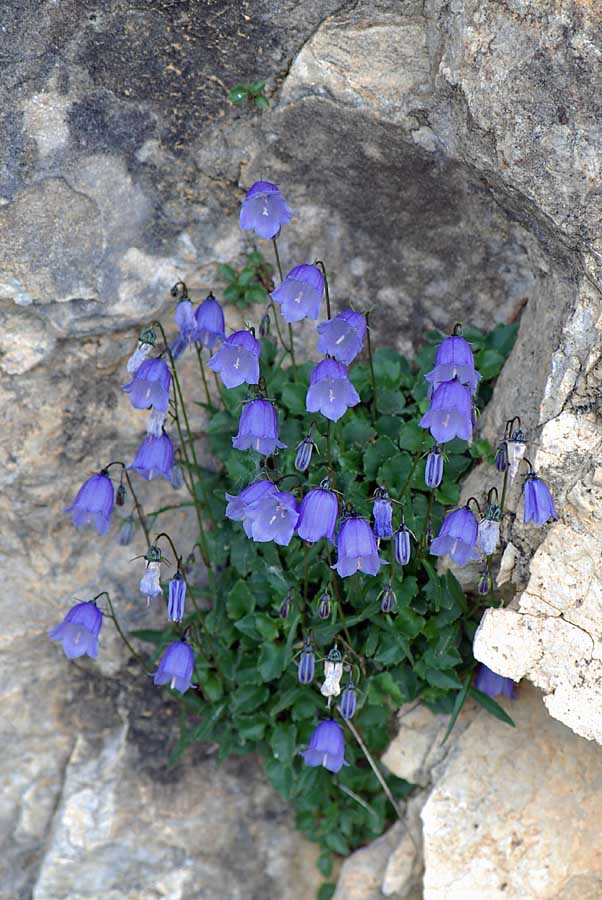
(93, 504)
(295, 642)
(237, 360)
(300, 294)
(79, 630)
(494, 685)
(343, 336)
(330, 390)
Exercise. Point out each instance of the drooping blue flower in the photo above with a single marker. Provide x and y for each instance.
(150, 385)
(457, 537)
(433, 471)
(186, 323)
(324, 606)
(326, 746)
(150, 583)
(357, 550)
(539, 506)
(273, 518)
(454, 359)
(348, 700)
(343, 336)
(304, 452)
(237, 360)
(318, 514)
(492, 684)
(484, 582)
(450, 414)
(209, 322)
(258, 428)
(307, 663)
(330, 391)
(79, 630)
(93, 503)
(300, 294)
(154, 458)
(264, 210)
(488, 536)
(176, 598)
(401, 545)
(239, 504)
(382, 510)
(176, 667)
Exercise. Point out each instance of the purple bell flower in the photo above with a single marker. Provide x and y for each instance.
(209, 322)
(240, 504)
(382, 511)
(264, 210)
(330, 391)
(93, 503)
(326, 746)
(307, 663)
(348, 701)
(186, 323)
(343, 336)
(154, 458)
(273, 518)
(450, 414)
(457, 537)
(324, 606)
(258, 428)
(539, 506)
(300, 294)
(318, 515)
(150, 385)
(237, 360)
(401, 545)
(176, 598)
(433, 471)
(176, 667)
(501, 457)
(492, 684)
(79, 630)
(357, 550)
(454, 359)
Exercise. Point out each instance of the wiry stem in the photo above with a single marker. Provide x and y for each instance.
(374, 768)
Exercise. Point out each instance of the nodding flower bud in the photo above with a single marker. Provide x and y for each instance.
(501, 457)
(484, 582)
(401, 545)
(433, 472)
(177, 477)
(264, 325)
(307, 663)
(516, 447)
(177, 596)
(333, 672)
(120, 495)
(126, 532)
(348, 700)
(388, 599)
(304, 452)
(324, 606)
(382, 511)
(285, 606)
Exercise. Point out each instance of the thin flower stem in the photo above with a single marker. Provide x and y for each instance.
(357, 799)
(408, 481)
(220, 389)
(199, 356)
(374, 768)
(119, 629)
(372, 375)
(137, 507)
(321, 265)
(287, 350)
(423, 539)
(291, 348)
(504, 489)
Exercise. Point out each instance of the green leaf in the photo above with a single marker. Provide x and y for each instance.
(376, 454)
(248, 697)
(326, 891)
(262, 102)
(279, 775)
(270, 661)
(458, 704)
(232, 293)
(447, 681)
(240, 601)
(358, 431)
(250, 728)
(284, 742)
(238, 93)
(150, 636)
(227, 272)
(382, 686)
(491, 706)
(255, 293)
(413, 438)
(502, 338)
(266, 626)
(489, 363)
(390, 401)
(293, 397)
(395, 471)
(336, 842)
(387, 366)
(325, 863)
(213, 688)
(256, 87)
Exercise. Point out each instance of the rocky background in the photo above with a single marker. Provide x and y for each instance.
(443, 157)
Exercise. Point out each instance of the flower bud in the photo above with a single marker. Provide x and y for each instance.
(388, 599)
(484, 582)
(264, 325)
(501, 457)
(348, 701)
(401, 545)
(126, 532)
(177, 477)
(120, 495)
(433, 472)
(285, 606)
(304, 452)
(324, 606)
(307, 663)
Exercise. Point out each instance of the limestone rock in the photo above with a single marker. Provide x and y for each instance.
(417, 745)
(495, 823)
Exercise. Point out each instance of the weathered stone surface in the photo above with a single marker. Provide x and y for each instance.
(495, 824)
(443, 158)
(387, 867)
(417, 745)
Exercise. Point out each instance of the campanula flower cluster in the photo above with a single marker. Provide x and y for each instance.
(317, 534)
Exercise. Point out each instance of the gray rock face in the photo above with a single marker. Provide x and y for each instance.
(443, 159)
